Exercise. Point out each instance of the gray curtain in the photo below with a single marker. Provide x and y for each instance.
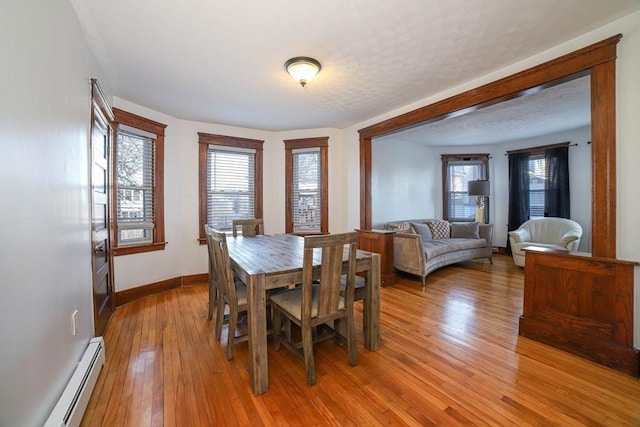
(556, 188)
(518, 192)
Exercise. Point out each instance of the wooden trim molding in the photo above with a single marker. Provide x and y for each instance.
(158, 129)
(596, 60)
(298, 144)
(134, 294)
(206, 139)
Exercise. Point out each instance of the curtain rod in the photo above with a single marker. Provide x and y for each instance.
(541, 148)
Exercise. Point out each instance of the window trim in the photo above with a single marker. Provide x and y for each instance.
(206, 139)
(475, 158)
(156, 128)
(302, 143)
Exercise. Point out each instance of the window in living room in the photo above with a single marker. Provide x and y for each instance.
(230, 180)
(139, 184)
(538, 183)
(306, 204)
(457, 171)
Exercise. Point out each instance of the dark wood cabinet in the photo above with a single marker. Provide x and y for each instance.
(380, 242)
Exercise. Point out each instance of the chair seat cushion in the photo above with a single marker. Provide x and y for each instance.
(291, 302)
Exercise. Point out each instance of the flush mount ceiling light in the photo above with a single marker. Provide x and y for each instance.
(302, 69)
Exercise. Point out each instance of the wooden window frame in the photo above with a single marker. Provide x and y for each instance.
(303, 143)
(147, 125)
(206, 139)
(476, 158)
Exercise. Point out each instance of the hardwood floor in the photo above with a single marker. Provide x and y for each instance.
(450, 355)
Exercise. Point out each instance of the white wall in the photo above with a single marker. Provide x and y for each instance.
(403, 185)
(45, 259)
(628, 129)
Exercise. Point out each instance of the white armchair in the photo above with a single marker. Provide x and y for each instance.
(555, 233)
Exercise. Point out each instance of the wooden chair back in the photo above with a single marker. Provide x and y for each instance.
(249, 227)
(213, 286)
(332, 247)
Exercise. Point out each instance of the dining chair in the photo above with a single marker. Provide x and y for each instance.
(213, 286)
(320, 303)
(231, 293)
(249, 227)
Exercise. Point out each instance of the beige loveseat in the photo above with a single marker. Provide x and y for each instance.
(424, 245)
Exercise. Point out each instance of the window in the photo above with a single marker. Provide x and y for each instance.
(230, 180)
(139, 184)
(536, 186)
(306, 204)
(457, 171)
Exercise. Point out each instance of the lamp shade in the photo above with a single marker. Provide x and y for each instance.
(478, 188)
(302, 69)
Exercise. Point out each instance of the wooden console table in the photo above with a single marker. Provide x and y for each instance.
(581, 304)
(380, 242)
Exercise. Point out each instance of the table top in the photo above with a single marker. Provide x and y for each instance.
(276, 254)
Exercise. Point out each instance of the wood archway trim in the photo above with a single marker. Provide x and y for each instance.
(596, 60)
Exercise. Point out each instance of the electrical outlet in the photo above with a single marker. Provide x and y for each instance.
(74, 322)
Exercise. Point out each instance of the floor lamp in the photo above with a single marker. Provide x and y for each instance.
(479, 188)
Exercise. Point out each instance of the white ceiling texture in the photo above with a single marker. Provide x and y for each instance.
(222, 61)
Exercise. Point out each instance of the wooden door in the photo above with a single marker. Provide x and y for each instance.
(100, 153)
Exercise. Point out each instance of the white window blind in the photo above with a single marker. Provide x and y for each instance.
(230, 185)
(537, 176)
(306, 190)
(135, 188)
(462, 207)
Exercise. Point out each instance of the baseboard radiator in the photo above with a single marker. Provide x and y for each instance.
(73, 402)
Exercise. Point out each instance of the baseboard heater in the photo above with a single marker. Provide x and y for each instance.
(70, 408)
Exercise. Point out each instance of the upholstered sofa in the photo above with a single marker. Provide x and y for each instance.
(554, 233)
(424, 245)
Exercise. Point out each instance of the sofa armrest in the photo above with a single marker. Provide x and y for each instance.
(520, 235)
(486, 233)
(408, 253)
(568, 237)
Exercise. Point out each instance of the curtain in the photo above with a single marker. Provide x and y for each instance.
(518, 192)
(556, 188)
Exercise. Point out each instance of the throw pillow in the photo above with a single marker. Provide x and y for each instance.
(465, 230)
(439, 228)
(423, 230)
(399, 227)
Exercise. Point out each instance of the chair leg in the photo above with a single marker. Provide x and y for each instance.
(351, 340)
(277, 325)
(309, 362)
(213, 296)
(219, 317)
(233, 322)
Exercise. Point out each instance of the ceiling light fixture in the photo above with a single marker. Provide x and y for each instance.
(303, 69)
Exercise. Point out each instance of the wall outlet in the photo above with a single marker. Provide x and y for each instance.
(74, 322)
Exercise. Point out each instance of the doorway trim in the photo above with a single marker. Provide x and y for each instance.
(596, 60)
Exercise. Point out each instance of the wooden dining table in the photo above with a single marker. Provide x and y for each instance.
(269, 262)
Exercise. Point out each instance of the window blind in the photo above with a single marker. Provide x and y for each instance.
(135, 188)
(230, 185)
(306, 190)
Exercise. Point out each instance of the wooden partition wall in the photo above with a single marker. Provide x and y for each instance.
(598, 61)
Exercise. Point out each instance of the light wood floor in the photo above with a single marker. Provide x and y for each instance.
(450, 355)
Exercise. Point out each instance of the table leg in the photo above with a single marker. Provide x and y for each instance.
(371, 309)
(257, 314)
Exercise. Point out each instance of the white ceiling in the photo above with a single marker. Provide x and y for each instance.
(554, 109)
(222, 61)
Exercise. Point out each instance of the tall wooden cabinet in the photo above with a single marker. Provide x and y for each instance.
(380, 242)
